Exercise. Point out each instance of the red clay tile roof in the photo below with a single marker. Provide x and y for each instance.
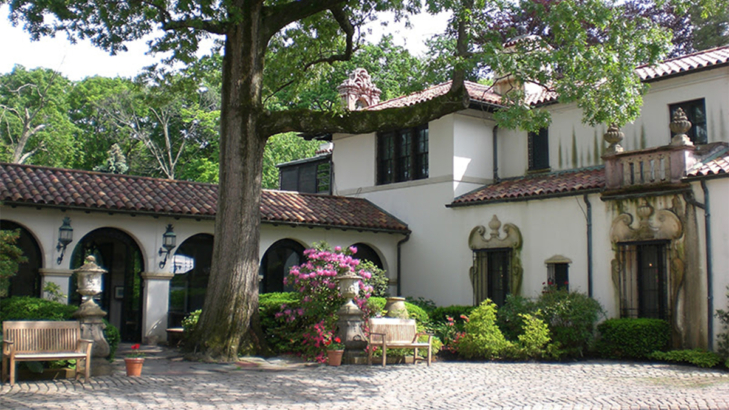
(66, 188)
(714, 162)
(484, 94)
(477, 92)
(552, 184)
(679, 65)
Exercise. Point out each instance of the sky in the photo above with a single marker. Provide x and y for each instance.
(81, 60)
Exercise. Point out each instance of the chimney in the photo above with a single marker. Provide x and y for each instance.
(358, 92)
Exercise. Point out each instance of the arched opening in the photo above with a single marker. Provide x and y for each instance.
(276, 263)
(27, 281)
(367, 253)
(122, 286)
(192, 263)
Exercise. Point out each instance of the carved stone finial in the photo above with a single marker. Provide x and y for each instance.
(679, 126)
(494, 225)
(613, 136)
(358, 92)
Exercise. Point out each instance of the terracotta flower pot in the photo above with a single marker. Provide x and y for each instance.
(134, 366)
(335, 357)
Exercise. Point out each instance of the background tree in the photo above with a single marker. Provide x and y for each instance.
(324, 31)
(33, 118)
(11, 256)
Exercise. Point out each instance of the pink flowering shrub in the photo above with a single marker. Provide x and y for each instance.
(314, 319)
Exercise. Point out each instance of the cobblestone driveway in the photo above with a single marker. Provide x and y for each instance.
(450, 385)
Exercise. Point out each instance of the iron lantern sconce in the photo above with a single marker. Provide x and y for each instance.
(169, 241)
(65, 236)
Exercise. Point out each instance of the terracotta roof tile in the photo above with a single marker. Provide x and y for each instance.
(484, 94)
(683, 64)
(563, 182)
(477, 92)
(714, 162)
(34, 185)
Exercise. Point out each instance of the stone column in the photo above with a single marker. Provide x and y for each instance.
(156, 306)
(58, 276)
(91, 316)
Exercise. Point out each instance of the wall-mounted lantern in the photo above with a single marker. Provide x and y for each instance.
(169, 241)
(65, 236)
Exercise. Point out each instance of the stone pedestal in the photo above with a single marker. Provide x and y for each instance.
(91, 316)
(350, 321)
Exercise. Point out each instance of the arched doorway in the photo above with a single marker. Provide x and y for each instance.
(122, 286)
(367, 253)
(275, 265)
(192, 263)
(27, 281)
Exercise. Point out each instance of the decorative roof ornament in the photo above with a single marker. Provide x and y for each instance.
(613, 136)
(358, 91)
(679, 126)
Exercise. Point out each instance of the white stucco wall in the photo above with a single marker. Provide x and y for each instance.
(147, 232)
(719, 195)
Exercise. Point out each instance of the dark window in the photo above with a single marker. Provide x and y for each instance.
(312, 177)
(696, 113)
(539, 150)
(276, 263)
(402, 155)
(652, 290)
(491, 276)
(27, 280)
(644, 280)
(559, 276)
(191, 266)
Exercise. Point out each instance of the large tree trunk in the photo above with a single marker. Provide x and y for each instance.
(229, 321)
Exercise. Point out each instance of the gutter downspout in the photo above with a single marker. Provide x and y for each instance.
(589, 245)
(399, 270)
(709, 264)
(495, 134)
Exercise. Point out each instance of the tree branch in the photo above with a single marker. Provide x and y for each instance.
(281, 15)
(210, 26)
(341, 17)
(362, 122)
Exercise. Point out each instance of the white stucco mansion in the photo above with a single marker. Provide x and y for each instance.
(456, 210)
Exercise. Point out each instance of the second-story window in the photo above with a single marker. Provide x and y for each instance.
(695, 111)
(539, 150)
(402, 155)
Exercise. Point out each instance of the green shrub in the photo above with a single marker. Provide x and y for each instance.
(190, 321)
(439, 314)
(30, 308)
(632, 338)
(379, 281)
(425, 304)
(113, 337)
(534, 342)
(282, 333)
(698, 357)
(377, 305)
(571, 317)
(509, 317)
(482, 338)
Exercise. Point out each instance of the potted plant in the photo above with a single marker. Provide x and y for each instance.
(134, 361)
(335, 350)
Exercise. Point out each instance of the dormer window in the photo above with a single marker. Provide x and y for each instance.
(402, 155)
(539, 150)
(695, 111)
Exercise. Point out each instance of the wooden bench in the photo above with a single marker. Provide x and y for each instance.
(26, 341)
(397, 334)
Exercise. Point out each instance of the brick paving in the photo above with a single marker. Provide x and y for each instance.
(169, 383)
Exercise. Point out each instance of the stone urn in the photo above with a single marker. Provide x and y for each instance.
(395, 307)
